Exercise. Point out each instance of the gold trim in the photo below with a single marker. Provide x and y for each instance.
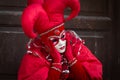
(51, 29)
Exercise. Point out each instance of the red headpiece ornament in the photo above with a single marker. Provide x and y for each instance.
(54, 31)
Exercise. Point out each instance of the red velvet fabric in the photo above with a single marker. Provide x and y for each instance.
(34, 67)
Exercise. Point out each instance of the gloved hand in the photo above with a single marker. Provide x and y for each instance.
(53, 52)
(30, 16)
(68, 53)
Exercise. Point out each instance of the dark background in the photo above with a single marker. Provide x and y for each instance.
(97, 23)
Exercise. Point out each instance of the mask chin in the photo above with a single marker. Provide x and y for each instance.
(61, 52)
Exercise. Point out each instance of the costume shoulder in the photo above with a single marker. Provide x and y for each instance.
(87, 59)
(31, 66)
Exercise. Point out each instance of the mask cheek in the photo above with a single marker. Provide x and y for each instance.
(54, 43)
(61, 46)
(57, 48)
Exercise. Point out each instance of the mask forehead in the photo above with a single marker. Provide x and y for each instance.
(55, 33)
(58, 36)
(55, 39)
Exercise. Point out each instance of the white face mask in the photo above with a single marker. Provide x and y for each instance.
(61, 46)
(59, 42)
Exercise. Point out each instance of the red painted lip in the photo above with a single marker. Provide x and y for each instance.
(62, 47)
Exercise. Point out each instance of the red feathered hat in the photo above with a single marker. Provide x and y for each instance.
(42, 15)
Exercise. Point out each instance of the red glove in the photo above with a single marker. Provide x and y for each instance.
(68, 52)
(54, 53)
(29, 17)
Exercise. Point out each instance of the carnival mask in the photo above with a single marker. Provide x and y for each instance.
(59, 42)
(57, 36)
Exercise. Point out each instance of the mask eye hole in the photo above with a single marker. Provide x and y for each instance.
(54, 40)
(63, 36)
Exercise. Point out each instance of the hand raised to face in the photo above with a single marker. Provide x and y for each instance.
(53, 52)
(68, 53)
(59, 42)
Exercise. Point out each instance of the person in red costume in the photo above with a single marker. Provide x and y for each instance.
(54, 53)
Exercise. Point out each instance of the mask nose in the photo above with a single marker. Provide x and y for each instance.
(60, 42)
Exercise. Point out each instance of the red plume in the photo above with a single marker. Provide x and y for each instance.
(29, 17)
